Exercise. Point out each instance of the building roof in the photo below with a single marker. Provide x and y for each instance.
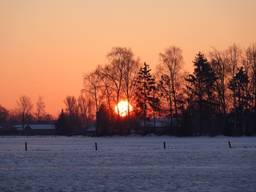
(39, 126)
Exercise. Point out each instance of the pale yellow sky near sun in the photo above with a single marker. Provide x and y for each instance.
(47, 45)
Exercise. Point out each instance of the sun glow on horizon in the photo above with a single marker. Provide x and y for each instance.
(47, 46)
(122, 108)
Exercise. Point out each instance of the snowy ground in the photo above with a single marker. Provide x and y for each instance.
(127, 164)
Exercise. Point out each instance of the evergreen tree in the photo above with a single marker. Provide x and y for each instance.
(201, 90)
(63, 124)
(239, 86)
(145, 89)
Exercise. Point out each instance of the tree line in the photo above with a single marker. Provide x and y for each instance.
(74, 119)
(217, 98)
(24, 113)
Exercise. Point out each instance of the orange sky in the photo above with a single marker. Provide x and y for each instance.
(47, 45)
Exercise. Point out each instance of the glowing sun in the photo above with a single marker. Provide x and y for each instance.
(122, 107)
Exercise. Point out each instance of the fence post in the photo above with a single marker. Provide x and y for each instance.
(229, 144)
(26, 146)
(96, 146)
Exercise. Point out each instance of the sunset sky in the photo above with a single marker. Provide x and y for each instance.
(47, 45)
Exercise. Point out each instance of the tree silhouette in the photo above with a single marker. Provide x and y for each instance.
(251, 62)
(120, 73)
(103, 121)
(40, 109)
(93, 85)
(61, 124)
(171, 61)
(4, 114)
(201, 88)
(239, 87)
(25, 110)
(145, 89)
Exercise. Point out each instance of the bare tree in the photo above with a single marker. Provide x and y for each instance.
(120, 72)
(114, 71)
(107, 92)
(169, 69)
(219, 63)
(71, 105)
(84, 107)
(92, 85)
(25, 109)
(104, 88)
(130, 73)
(40, 109)
(234, 58)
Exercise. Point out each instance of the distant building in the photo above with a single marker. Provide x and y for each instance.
(159, 125)
(159, 122)
(48, 128)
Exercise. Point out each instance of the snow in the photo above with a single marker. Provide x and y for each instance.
(128, 164)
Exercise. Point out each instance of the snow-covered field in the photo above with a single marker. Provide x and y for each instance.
(127, 164)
